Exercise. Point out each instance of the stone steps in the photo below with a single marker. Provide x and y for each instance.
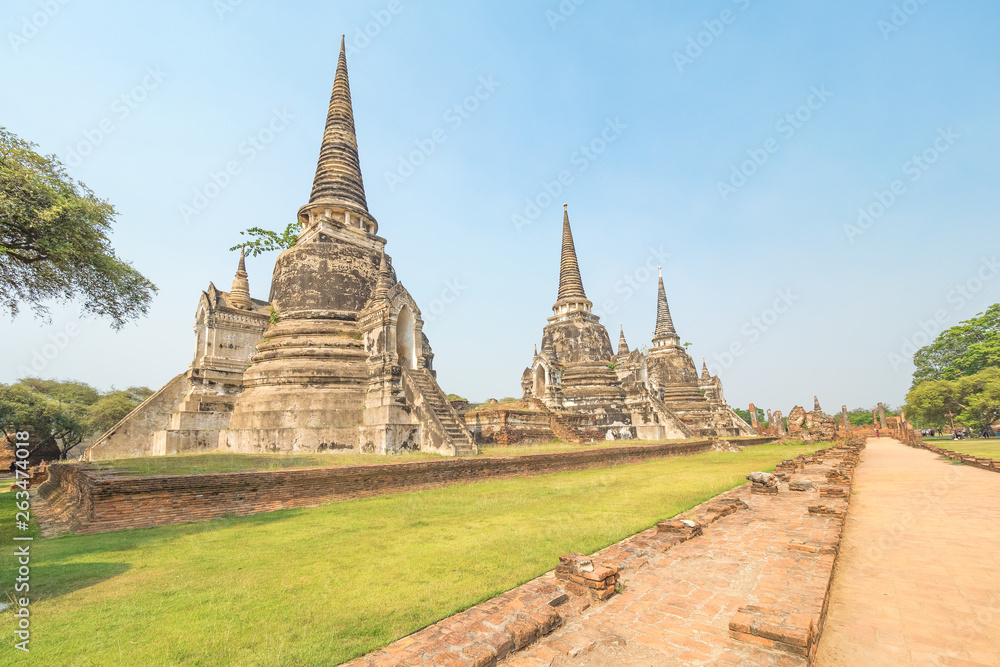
(438, 403)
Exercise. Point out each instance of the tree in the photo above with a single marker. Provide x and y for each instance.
(980, 396)
(745, 415)
(49, 421)
(974, 400)
(63, 413)
(863, 416)
(73, 393)
(929, 403)
(264, 240)
(112, 407)
(54, 242)
(962, 350)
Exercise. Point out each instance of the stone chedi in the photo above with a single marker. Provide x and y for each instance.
(574, 369)
(629, 394)
(335, 360)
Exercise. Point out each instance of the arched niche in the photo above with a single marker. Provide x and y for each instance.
(201, 336)
(406, 348)
(538, 385)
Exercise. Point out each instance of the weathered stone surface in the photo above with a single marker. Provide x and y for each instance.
(629, 394)
(337, 357)
(581, 575)
(811, 426)
(801, 485)
(763, 478)
(726, 446)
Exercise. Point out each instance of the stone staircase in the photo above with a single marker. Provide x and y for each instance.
(666, 414)
(435, 399)
(563, 427)
(695, 411)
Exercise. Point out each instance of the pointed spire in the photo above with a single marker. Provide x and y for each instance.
(384, 283)
(622, 344)
(536, 349)
(570, 283)
(338, 172)
(704, 370)
(239, 293)
(664, 325)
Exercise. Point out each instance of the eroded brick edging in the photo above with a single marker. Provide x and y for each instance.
(488, 632)
(791, 614)
(543, 619)
(975, 461)
(85, 499)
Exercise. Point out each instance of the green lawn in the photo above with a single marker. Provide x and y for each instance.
(988, 448)
(194, 464)
(322, 585)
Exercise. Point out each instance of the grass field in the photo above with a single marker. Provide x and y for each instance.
(319, 586)
(988, 448)
(194, 464)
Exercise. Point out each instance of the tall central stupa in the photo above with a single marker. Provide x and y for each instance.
(344, 363)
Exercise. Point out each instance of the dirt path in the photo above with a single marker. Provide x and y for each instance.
(918, 577)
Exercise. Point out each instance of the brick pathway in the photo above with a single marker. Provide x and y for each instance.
(678, 606)
(746, 588)
(917, 578)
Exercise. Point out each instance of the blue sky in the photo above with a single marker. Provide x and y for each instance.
(732, 141)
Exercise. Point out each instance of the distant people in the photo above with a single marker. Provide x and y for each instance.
(877, 434)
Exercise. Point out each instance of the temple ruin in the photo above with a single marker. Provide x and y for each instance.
(334, 360)
(577, 381)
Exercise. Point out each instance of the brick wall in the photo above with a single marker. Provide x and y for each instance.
(750, 442)
(969, 460)
(85, 499)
